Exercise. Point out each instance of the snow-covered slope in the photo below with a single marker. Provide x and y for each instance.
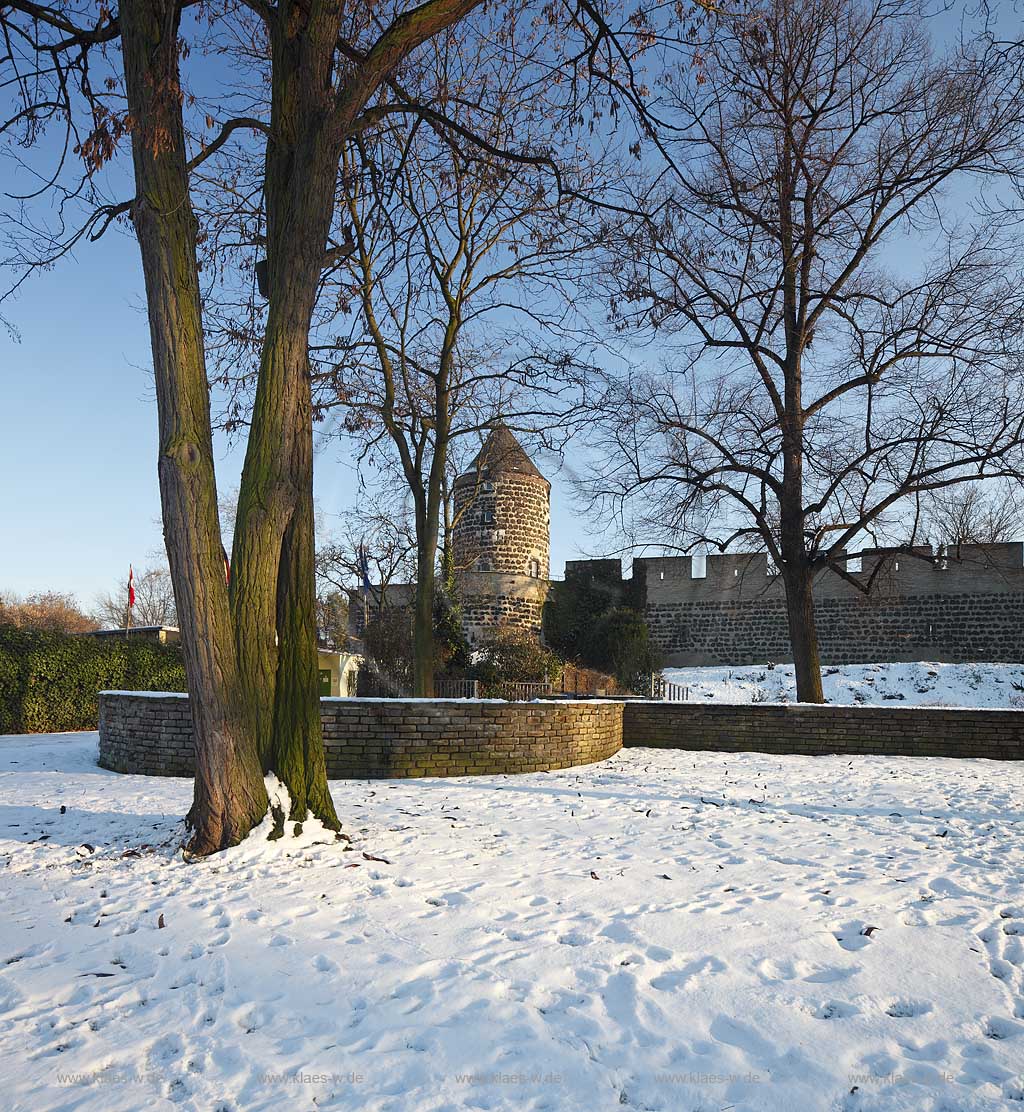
(663, 931)
(921, 683)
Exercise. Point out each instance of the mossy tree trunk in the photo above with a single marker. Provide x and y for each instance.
(230, 797)
(273, 600)
(250, 653)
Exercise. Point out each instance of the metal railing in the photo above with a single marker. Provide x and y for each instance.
(457, 689)
(522, 692)
(668, 692)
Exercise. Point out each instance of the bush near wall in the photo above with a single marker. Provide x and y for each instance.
(50, 681)
(512, 656)
(587, 620)
(578, 680)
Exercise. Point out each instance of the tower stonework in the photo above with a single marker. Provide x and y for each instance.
(501, 538)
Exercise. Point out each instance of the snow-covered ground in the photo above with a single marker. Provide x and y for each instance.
(665, 930)
(921, 683)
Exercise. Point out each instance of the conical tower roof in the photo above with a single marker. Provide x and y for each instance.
(501, 454)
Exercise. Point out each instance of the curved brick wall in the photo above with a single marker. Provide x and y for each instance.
(382, 738)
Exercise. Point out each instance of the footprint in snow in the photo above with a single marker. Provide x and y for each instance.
(982, 1071)
(854, 935)
(618, 931)
(935, 1051)
(907, 1009)
(166, 1050)
(677, 979)
(448, 899)
(999, 1028)
(834, 1009)
(178, 1090)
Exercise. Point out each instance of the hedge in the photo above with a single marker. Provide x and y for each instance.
(49, 682)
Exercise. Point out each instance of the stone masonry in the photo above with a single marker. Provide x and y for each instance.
(390, 738)
(383, 738)
(962, 605)
(818, 729)
(501, 538)
(146, 733)
(501, 509)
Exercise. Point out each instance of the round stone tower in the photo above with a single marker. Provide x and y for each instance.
(501, 538)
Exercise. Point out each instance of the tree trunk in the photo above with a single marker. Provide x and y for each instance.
(298, 748)
(251, 656)
(266, 502)
(423, 621)
(803, 634)
(230, 797)
(274, 599)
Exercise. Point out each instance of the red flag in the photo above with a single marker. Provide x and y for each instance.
(131, 587)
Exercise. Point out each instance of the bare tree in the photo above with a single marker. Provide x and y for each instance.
(332, 619)
(311, 77)
(974, 513)
(250, 652)
(845, 336)
(379, 538)
(461, 282)
(154, 601)
(53, 611)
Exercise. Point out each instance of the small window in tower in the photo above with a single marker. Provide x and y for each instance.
(534, 568)
(488, 517)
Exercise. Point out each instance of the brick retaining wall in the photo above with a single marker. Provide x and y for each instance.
(811, 729)
(382, 738)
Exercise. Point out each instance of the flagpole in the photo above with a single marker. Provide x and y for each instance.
(131, 601)
(366, 592)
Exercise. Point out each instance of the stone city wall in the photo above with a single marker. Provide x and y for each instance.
(966, 604)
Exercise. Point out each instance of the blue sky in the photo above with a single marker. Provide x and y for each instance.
(79, 500)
